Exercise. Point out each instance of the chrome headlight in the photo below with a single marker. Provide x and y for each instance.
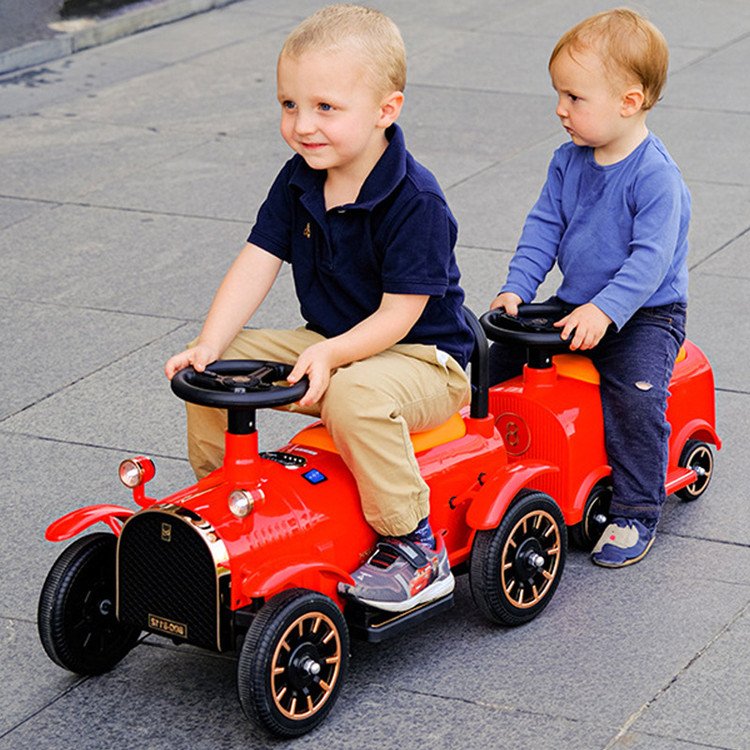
(136, 471)
(242, 502)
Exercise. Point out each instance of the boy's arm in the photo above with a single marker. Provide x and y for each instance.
(657, 247)
(393, 319)
(537, 248)
(243, 289)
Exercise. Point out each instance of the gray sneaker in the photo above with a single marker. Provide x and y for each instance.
(400, 575)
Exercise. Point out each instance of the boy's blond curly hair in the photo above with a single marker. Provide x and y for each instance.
(630, 48)
(361, 31)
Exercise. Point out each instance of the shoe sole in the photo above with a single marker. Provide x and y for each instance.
(626, 562)
(431, 593)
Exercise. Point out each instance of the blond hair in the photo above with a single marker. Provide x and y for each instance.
(363, 31)
(628, 45)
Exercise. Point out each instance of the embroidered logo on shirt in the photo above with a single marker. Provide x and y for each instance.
(306, 231)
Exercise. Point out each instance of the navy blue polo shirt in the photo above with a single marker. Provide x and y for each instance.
(398, 237)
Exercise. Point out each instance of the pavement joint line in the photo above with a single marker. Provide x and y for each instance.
(103, 31)
(43, 708)
(96, 446)
(665, 688)
(126, 209)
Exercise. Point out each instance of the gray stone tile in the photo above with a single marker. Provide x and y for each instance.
(721, 214)
(710, 81)
(730, 257)
(47, 349)
(170, 693)
(189, 97)
(195, 37)
(130, 407)
(61, 159)
(30, 90)
(708, 703)
(113, 260)
(717, 308)
(13, 211)
(518, 122)
(592, 613)
(492, 205)
(30, 681)
(486, 62)
(703, 152)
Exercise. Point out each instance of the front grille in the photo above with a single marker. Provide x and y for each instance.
(169, 578)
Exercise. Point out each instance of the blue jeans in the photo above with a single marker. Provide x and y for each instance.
(635, 366)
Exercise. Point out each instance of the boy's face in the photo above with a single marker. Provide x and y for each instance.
(589, 103)
(330, 115)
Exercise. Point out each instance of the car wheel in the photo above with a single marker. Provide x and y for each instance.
(293, 662)
(588, 531)
(77, 621)
(515, 568)
(699, 457)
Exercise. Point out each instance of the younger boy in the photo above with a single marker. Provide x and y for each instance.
(370, 240)
(614, 214)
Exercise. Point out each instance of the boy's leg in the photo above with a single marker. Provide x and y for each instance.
(635, 366)
(370, 408)
(206, 426)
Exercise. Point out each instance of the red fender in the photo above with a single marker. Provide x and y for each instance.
(698, 429)
(278, 575)
(74, 523)
(489, 505)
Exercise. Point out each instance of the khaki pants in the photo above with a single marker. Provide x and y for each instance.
(369, 409)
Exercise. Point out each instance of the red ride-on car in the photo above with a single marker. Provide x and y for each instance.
(250, 557)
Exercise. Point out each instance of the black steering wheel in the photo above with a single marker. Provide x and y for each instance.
(532, 327)
(242, 384)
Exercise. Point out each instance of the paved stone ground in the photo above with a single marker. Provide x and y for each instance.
(130, 175)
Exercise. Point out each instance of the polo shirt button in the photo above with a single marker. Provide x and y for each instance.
(342, 210)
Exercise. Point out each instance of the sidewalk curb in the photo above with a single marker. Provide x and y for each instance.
(103, 31)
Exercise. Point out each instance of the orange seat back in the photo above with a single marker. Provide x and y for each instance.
(316, 436)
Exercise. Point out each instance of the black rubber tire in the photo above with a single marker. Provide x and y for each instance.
(76, 617)
(505, 584)
(696, 455)
(585, 534)
(295, 632)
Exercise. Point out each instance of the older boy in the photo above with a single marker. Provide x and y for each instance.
(370, 240)
(614, 214)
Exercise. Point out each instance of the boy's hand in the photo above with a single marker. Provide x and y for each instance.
(198, 356)
(508, 301)
(589, 324)
(315, 362)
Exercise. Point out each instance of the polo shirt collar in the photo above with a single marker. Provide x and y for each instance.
(380, 183)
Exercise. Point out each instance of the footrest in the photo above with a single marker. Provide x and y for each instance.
(375, 625)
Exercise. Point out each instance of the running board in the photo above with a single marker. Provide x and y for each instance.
(679, 478)
(375, 625)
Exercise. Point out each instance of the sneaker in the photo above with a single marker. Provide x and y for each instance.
(400, 575)
(624, 542)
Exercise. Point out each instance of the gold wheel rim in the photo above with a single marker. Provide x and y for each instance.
(523, 585)
(305, 666)
(702, 459)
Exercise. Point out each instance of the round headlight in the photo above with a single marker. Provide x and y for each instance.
(136, 471)
(242, 502)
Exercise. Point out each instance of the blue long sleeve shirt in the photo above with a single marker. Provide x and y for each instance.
(618, 232)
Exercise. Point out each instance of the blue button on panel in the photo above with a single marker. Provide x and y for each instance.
(314, 476)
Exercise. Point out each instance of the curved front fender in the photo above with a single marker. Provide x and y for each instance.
(77, 521)
(489, 505)
(283, 574)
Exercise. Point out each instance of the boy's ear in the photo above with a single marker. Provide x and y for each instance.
(632, 101)
(390, 108)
